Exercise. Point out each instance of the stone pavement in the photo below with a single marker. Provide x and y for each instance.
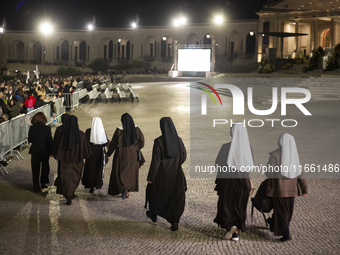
(97, 223)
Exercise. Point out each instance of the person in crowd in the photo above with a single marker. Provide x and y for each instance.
(40, 89)
(40, 102)
(3, 118)
(284, 186)
(67, 87)
(166, 188)
(3, 103)
(30, 102)
(71, 147)
(39, 136)
(58, 132)
(233, 188)
(94, 166)
(127, 141)
(13, 108)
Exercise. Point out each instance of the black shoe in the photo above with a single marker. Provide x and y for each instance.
(285, 238)
(69, 202)
(174, 226)
(124, 194)
(270, 223)
(152, 216)
(91, 190)
(44, 186)
(235, 237)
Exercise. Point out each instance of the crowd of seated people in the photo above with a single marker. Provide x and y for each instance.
(22, 95)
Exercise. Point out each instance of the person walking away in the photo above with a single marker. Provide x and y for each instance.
(167, 185)
(71, 148)
(94, 166)
(39, 136)
(126, 143)
(233, 188)
(284, 185)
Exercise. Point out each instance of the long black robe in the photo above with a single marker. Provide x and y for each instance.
(72, 163)
(94, 165)
(166, 194)
(233, 194)
(125, 165)
(57, 133)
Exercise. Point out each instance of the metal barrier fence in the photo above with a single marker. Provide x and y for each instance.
(71, 100)
(14, 132)
(5, 145)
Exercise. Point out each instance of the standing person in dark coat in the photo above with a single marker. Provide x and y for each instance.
(40, 102)
(71, 148)
(233, 188)
(126, 142)
(166, 181)
(94, 166)
(39, 136)
(57, 133)
(284, 186)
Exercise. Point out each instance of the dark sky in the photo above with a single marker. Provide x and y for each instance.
(76, 14)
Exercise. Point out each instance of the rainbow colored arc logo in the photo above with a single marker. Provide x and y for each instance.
(207, 91)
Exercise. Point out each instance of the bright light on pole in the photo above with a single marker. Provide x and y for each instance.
(46, 28)
(218, 19)
(90, 27)
(1, 30)
(251, 33)
(176, 23)
(134, 25)
(179, 21)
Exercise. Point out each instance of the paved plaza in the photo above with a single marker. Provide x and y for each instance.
(33, 223)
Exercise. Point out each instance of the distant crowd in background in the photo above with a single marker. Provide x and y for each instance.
(22, 95)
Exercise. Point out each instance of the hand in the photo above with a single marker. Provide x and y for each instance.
(304, 194)
(149, 182)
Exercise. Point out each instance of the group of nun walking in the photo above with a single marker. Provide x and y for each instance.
(165, 192)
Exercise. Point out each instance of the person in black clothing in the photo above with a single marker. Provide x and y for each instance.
(40, 102)
(40, 137)
(167, 185)
(67, 87)
(58, 132)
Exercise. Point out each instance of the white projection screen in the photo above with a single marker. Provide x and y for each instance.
(194, 60)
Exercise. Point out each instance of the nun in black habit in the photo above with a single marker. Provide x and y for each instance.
(57, 133)
(233, 187)
(127, 141)
(166, 181)
(71, 148)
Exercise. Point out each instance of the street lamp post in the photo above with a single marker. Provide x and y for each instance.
(92, 28)
(177, 22)
(46, 29)
(218, 20)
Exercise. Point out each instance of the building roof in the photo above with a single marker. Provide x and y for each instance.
(305, 5)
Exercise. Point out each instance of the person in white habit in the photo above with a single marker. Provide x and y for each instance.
(233, 187)
(94, 166)
(284, 185)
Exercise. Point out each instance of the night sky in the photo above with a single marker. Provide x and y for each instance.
(76, 14)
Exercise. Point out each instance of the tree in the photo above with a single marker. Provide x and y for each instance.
(137, 63)
(68, 71)
(99, 65)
